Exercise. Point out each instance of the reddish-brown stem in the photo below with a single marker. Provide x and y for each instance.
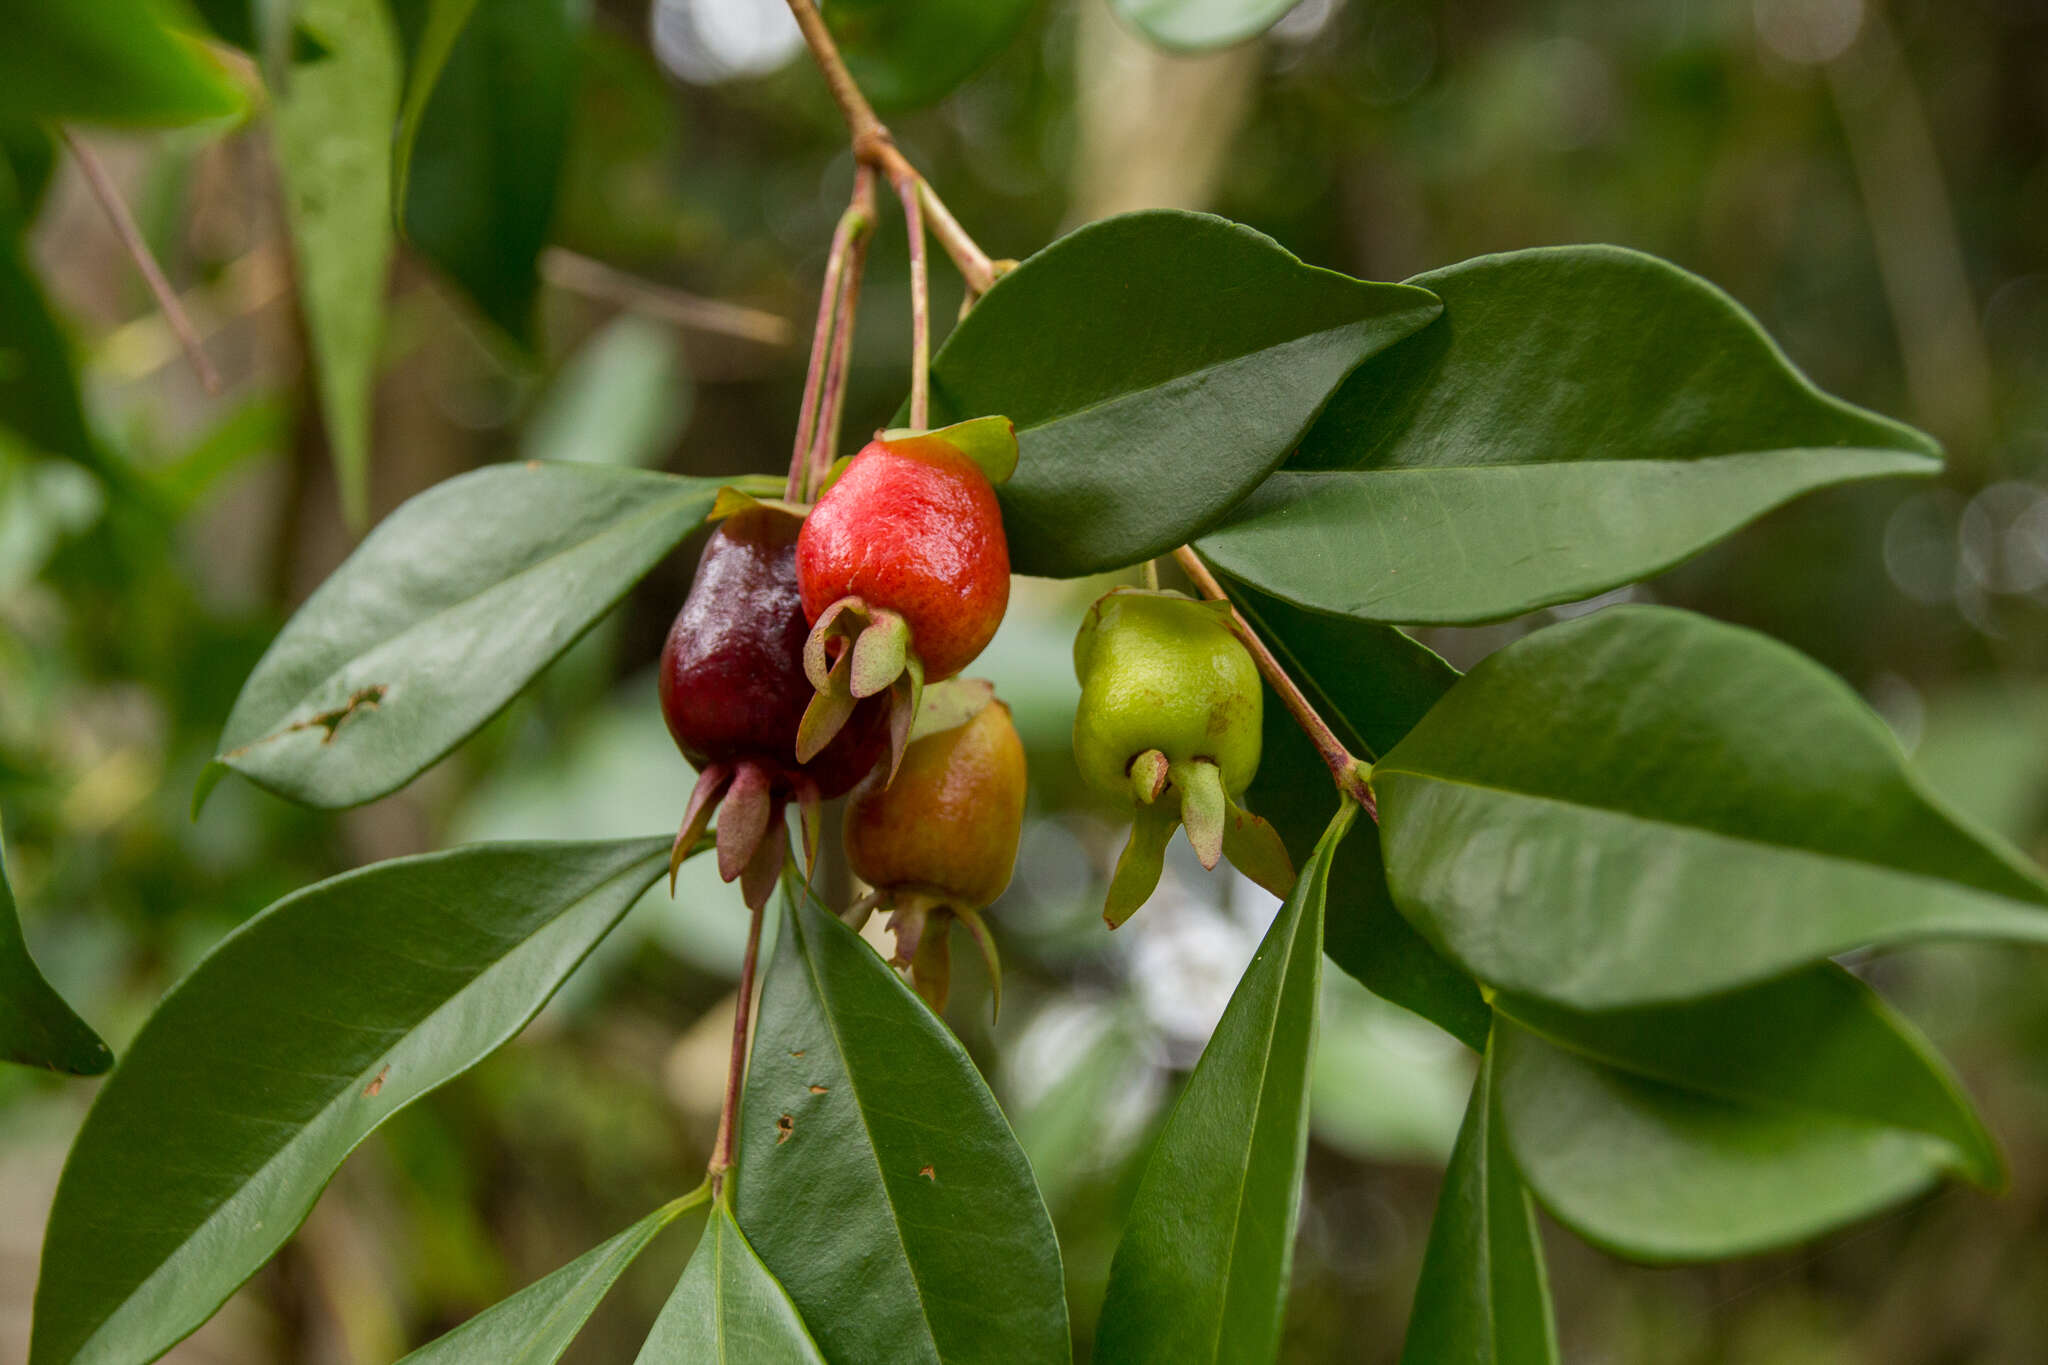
(1345, 769)
(116, 209)
(832, 404)
(854, 225)
(736, 1073)
(872, 146)
(920, 307)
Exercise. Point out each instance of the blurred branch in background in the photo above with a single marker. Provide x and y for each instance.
(594, 279)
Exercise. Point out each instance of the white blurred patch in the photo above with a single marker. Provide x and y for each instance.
(708, 41)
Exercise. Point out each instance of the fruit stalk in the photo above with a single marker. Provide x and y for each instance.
(836, 299)
(736, 1071)
(1345, 769)
(873, 146)
(920, 308)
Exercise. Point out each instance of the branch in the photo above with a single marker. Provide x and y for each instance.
(920, 308)
(736, 1072)
(596, 280)
(873, 146)
(145, 260)
(1346, 770)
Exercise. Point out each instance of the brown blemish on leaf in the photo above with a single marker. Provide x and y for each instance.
(798, 1053)
(363, 699)
(784, 1126)
(817, 1090)
(929, 1174)
(377, 1081)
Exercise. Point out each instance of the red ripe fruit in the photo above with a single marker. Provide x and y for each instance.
(733, 692)
(904, 570)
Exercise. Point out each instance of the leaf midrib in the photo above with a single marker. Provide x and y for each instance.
(1265, 1065)
(1932, 465)
(874, 1152)
(653, 511)
(341, 1093)
(1213, 367)
(1772, 844)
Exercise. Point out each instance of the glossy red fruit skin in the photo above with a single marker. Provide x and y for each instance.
(918, 534)
(732, 678)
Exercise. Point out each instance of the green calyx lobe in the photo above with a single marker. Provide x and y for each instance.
(1168, 721)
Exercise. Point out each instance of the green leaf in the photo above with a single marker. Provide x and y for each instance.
(298, 1035)
(263, 28)
(1200, 25)
(28, 155)
(1643, 805)
(907, 53)
(1158, 366)
(728, 1309)
(110, 62)
(481, 145)
(333, 131)
(1656, 1173)
(623, 398)
(1818, 1041)
(536, 1325)
(877, 1178)
(1523, 451)
(1484, 1298)
(39, 395)
(429, 30)
(36, 1027)
(1201, 1273)
(1372, 684)
(451, 606)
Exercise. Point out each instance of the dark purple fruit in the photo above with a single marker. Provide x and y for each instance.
(733, 692)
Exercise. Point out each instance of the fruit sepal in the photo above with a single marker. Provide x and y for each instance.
(990, 442)
(1190, 797)
(922, 923)
(875, 655)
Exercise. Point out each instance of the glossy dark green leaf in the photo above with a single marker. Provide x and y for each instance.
(1484, 1298)
(1158, 366)
(36, 1027)
(298, 1035)
(1201, 25)
(260, 27)
(728, 1310)
(333, 131)
(1201, 1273)
(536, 1325)
(1371, 683)
(1578, 418)
(1818, 1041)
(1657, 1173)
(111, 62)
(481, 143)
(877, 1178)
(1642, 806)
(437, 620)
(907, 53)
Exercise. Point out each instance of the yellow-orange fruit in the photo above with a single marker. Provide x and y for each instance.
(948, 824)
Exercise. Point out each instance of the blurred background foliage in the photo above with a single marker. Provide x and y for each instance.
(1869, 176)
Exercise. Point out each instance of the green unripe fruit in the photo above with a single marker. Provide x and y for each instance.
(1163, 672)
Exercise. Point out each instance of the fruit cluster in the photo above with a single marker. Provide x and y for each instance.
(803, 654)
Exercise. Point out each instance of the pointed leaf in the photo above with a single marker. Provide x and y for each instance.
(298, 1035)
(1372, 683)
(1201, 1272)
(451, 606)
(877, 1178)
(1660, 1174)
(112, 62)
(1484, 1298)
(907, 53)
(480, 164)
(39, 395)
(1194, 349)
(36, 1027)
(333, 130)
(536, 1325)
(1521, 451)
(1819, 1041)
(1643, 805)
(1201, 25)
(728, 1310)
